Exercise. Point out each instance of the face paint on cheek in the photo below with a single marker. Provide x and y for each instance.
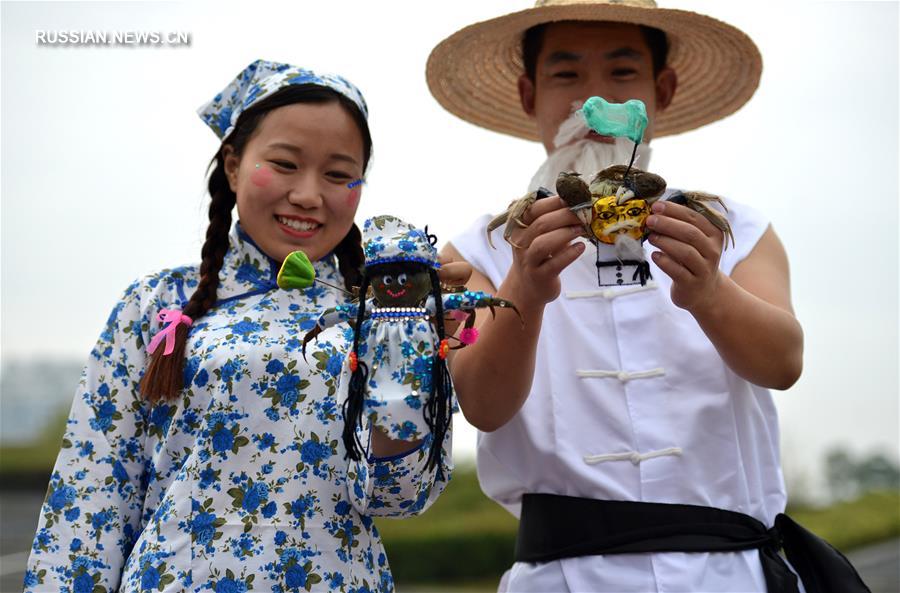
(261, 176)
(353, 197)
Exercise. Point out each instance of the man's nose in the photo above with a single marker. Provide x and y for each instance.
(598, 86)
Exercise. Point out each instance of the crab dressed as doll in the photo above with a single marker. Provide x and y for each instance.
(395, 376)
(615, 205)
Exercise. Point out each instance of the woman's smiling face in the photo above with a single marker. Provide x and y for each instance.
(292, 179)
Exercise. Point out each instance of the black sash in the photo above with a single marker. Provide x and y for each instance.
(553, 527)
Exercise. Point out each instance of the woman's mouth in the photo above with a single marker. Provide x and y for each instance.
(296, 227)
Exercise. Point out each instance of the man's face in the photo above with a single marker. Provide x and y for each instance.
(581, 60)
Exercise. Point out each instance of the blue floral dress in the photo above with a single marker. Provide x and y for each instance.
(241, 483)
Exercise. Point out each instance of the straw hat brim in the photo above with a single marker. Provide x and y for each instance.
(474, 72)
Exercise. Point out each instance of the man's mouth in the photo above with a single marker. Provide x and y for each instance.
(592, 135)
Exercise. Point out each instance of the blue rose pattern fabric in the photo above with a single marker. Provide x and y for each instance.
(241, 483)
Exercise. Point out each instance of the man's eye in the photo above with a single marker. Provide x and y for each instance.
(387, 280)
(624, 72)
(401, 279)
(340, 175)
(565, 74)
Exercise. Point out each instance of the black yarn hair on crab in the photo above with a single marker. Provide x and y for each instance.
(437, 411)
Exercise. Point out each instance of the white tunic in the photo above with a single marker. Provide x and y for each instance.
(631, 401)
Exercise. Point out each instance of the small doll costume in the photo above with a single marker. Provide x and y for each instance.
(395, 376)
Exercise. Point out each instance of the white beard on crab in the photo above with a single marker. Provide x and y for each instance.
(574, 152)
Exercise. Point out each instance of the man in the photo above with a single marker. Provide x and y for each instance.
(645, 394)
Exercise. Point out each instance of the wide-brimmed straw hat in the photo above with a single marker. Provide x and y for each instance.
(473, 73)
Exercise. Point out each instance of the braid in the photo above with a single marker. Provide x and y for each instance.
(356, 391)
(438, 411)
(350, 258)
(164, 377)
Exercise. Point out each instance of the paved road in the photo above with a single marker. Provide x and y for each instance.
(879, 565)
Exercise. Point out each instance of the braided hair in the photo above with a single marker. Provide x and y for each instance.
(164, 377)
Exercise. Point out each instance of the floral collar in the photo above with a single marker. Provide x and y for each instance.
(248, 270)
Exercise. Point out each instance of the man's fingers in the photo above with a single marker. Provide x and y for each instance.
(549, 245)
(541, 207)
(544, 224)
(685, 214)
(671, 268)
(560, 261)
(683, 253)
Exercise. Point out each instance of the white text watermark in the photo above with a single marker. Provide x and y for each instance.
(112, 38)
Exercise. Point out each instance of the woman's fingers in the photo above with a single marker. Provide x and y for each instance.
(455, 273)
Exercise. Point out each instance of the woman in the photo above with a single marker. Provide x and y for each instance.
(217, 464)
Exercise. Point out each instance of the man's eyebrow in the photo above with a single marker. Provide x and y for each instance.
(561, 56)
(623, 52)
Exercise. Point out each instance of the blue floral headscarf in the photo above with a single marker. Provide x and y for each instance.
(259, 80)
(387, 239)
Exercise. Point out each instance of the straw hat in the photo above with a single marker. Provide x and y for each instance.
(473, 73)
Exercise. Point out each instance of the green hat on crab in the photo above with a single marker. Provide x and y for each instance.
(628, 119)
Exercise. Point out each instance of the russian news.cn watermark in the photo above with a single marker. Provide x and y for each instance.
(71, 38)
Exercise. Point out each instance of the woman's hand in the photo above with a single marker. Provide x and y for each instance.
(689, 251)
(453, 273)
(541, 251)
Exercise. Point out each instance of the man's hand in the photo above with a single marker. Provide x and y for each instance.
(690, 247)
(541, 252)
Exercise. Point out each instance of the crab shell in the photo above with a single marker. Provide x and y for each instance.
(644, 185)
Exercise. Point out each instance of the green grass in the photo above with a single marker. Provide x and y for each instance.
(37, 457)
(869, 519)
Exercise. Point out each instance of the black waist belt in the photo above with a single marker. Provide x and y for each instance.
(553, 527)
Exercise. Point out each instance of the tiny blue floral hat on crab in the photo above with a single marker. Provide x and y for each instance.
(387, 239)
(259, 80)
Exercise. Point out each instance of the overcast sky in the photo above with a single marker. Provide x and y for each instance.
(103, 162)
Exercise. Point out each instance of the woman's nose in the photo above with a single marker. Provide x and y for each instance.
(306, 192)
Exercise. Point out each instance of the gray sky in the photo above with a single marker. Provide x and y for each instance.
(103, 162)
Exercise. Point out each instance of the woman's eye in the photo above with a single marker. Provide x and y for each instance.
(387, 280)
(338, 175)
(284, 164)
(565, 74)
(401, 279)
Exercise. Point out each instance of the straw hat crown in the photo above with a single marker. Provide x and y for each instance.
(473, 73)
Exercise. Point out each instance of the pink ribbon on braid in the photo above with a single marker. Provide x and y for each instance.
(173, 317)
